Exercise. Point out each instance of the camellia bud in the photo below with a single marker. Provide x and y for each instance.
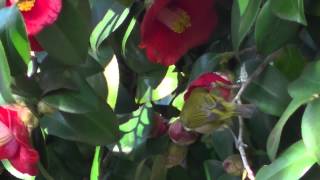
(160, 126)
(179, 135)
(176, 155)
(233, 165)
(44, 108)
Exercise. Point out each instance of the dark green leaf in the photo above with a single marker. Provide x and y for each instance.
(268, 91)
(292, 10)
(206, 63)
(113, 18)
(5, 78)
(97, 127)
(82, 100)
(213, 168)
(244, 14)
(272, 32)
(290, 62)
(69, 44)
(292, 164)
(223, 143)
(159, 170)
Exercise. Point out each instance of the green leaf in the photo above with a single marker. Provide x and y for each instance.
(168, 84)
(272, 32)
(206, 63)
(95, 168)
(13, 171)
(98, 127)
(213, 169)
(12, 21)
(308, 84)
(114, 17)
(69, 45)
(292, 10)
(159, 170)
(310, 128)
(112, 75)
(5, 78)
(82, 100)
(292, 164)
(244, 13)
(136, 129)
(275, 135)
(223, 142)
(127, 34)
(290, 62)
(269, 95)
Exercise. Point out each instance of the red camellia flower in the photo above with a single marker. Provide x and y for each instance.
(37, 14)
(171, 27)
(14, 142)
(180, 136)
(211, 81)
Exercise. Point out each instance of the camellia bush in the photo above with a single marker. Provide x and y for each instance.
(159, 89)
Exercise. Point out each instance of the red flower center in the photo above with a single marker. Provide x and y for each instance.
(25, 5)
(175, 19)
(5, 134)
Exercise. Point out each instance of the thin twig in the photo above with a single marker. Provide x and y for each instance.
(241, 147)
(255, 74)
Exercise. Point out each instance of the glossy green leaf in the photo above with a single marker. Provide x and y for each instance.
(159, 170)
(95, 168)
(223, 143)
(292, 10)
(292, 164)
(290, 62)
(168, 84)
(244, 13)
(310, 128)
(267, 24)
(113, 18)
(5, 78)
(69, 45)
(127, 34)
(97, 127)
(136, 129)
(13, 23)
(275, 135)
(206, 63)
(308, 84)
(81, 100)
(213, 169)
(269, 95)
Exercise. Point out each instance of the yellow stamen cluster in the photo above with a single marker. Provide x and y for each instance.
(175, 19)
(25, 5)
(182, 23)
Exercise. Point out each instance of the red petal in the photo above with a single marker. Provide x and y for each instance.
(44, 12)
(35, 46)
(26, 161)
(165, 46)
(9, 150)
(205, 81)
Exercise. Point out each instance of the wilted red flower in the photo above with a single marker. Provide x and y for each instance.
(171, 27)
(160, 126)
(210, 81)
(180, 136)
(14, 142)
(37, 14)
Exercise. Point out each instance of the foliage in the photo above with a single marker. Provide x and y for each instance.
(104, 92)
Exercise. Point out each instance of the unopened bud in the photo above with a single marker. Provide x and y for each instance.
(176, 155)
(233, 165)
(179, 135)
(160, 126)
(44, 108)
